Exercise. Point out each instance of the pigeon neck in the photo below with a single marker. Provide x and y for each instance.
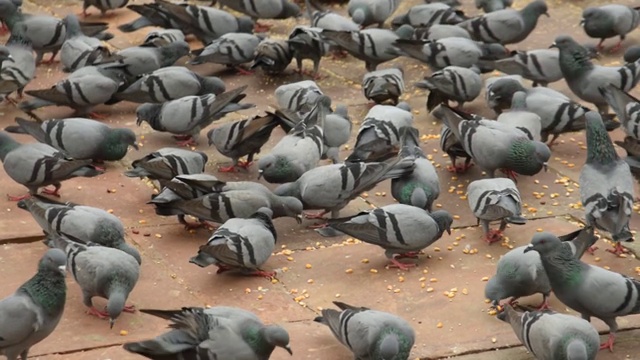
(530, 15)
(48, 289)
(416, 194)
(574, 62)
(7, 144)
(391, 345)
(599, 146)
(113, 148)
(257, 339)
(566, 270)
(521, 158)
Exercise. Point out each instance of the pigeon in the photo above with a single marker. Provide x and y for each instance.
(541, 66)
(422, 187)
(587, 289)
(401, 230)
(233, 49)
(494, 145)
(166, 163)
(492, 5)
(439, 31)
(520, 274)
(584, 78)
(383, 85)
(154, 14)
(495, 199)
(103, 5)
(373, 46)
(82, 139)
(520, 118)
(33, 312)
(332, 187)
(451, 83)
(37, 165)
(378, 138)
(244, 244)
(219, 332)
(242, 138)
(453, 147)
(16, 74)
(369, 12)
(606, 185)
(610, 20)
(160, 37)
(329, 20)
(298, 97)
(263, 9)
(506, 26)
(308, 43)
(632, 148)
(140, 60)
(104, 272)
(336, 132)
(272, 56)
(369, 334)
(632, 54)
(551, 335)
(79, 50)
(626, 107)
(428, 15)
(187, 116)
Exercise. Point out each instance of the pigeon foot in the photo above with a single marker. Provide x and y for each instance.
(609, 343)
(319, 216)
(55, 192)
(95, 312)
(18, 198)
(618, 250)
(493, 236)
(400, 265)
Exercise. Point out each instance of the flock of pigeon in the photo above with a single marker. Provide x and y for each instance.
(90, 242)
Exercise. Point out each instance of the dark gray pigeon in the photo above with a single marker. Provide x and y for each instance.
(33, 312)
(383, 85)
(37, 165)
(611, 20)
(492, 5)
(426, 15)
(587, 289)
(401, 230)
(82, 224)
(422, 187)
(187, 116)
(82, 138)
(233, 50)
(272, 56)
(78, 49)
(160, 37)
(143, 59)
(16, 74)
(166, 163)
(215, 333)
(263, 9)
(104, 272)
(369, 12)
(102, 5)
(308, 43)
(369, 334)
(606, 185)
(244, 244)
(451, 83)
(626, 107)
(551, 335)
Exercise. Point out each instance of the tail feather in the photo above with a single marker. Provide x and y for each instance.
(137, 24)
(32, 128)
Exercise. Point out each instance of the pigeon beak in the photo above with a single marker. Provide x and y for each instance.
(139, 121)
(10, 58)
(288, 348)
(582, 22)
(546, 167)
(135, 146)
(63, 269)
(546, 13)
(449, 230)
(299, 218)
(260, 174)
(554, 45)
(528, 248)
(111, 322)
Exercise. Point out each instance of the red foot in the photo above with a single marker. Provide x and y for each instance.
(510, 174)
(98, 116)
(544, 305)
(409, 255)
(222, 268)
(187, 143)
(314, 76)
(242, 71)
(95, 312)
(84, 13)
(261, 273)
(51, 60)
(193, 226)
(55, 192)
(227, 169)
(609, 343)
(319, 216)
(592, 249)
(18, 198)
(399, 265)
(339, 54)
(459, 169)
(493, 236)
(317, 226)
(9, 100)
(244, 164)
(129, 308)
(617, 47)
(259, 27)
(3, 29)
(618, 250)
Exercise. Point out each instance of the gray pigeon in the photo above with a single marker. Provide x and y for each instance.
(103, 5)
(159, 37)
(16, 74)
(78, 223)
(506, 26)
(521, 118)
(78, 49)
(329, 20)
(383, 85)
(584, 78)
(219, 332)
(187, 116)
(140, 60)
(494, 145)
(170, 83)
(263, 9)
(540, 66)
(439, 31)
(332, 187)
(272, 56)
(298, 97)
(426, 15)
(626, 107)
(166, 163)
(336, 132)
(422, 187)
(157, 15)
(233, 50)
(451, 83)
(492, 5)
(242, 138)
(32, 313)
(606, 185)
(308, 43)
(101, 271)
(369, 334)
(550, 335)
(632, 54)
(495, 199)
(453, 147)
(368, 12)
(587, 289)
(632, 148)
(520, 273)
(401, 230)
(610, 20)
(81, 138)
(244, 244)
(37, 165)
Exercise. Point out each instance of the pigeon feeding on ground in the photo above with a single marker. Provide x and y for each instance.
(166, 163)
(369, 12)
(383, 85)
(609, 21)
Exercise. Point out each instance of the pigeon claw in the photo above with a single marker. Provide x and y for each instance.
(18, 198)
(319, 216)
(317, 226)
(129, 308)
(618, 249)
(227, 169)
(95, 312)
(55, 192)
(408, 255)
(616, 48)
(188, 142)
(544, 305)
(261, 27)
(493, 236)
(242, 71)
(609, 343)
(262, 273)
(592, 249)
(98, 116)
(400, 265)
(222, 268)
(244, 164)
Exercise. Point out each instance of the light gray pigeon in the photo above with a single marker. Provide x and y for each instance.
(298, 97)
(166, 163)
(609, 21)
(369, 12)
(451, 83)
(492, 5)
(494, 145)
(541, 66)
(606, 185)
(233, 50)
(78, 49)
(103, 5)
(426, 15)
(329, 20)
(626, 107)
(632, 148)
(33, 312)
(242, 138)
(159, 37)
(331, 187)
(308, 43)
(16, 74)
(219, 332)
(272, 56)
(383, 85)
(187, 116)
(550, 335)
(378, 138)
(37, 165)
(369, 334)
(78, 223)
(520, 273)
(263, 9)
(521, 118)
(336, 132)
(244, 244)
(401, 230)
(587, 289)
(422, 187)
(81, 138)
(439, 31)
(104, 272)
(506, 26)
(170, 83)
(140, 60)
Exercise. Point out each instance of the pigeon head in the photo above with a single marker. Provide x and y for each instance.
(360, 14)
(576, 349)
(264, 211)
(72, 25)
(212, 85)
(7, 8)
(276, 335)
(127, 136)
(543, 243)
(598, 23)
(389, 347)
(405, 31)
(115, 304)
(245, 25)
(502, 90)
(494, 292)
(278, 169)
(342, 110)
(116, 144)
(632, 54)
(404, 106)
(574, 58)
(173, 51)
(534, 9)
(290, 206)
(5, 55)
(600, 149)
(54, 259)
(149, 113)
(399, 20)
(7, 143)
(528, 157)
(444, 221)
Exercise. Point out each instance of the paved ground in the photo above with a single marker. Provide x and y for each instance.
(313, 271)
